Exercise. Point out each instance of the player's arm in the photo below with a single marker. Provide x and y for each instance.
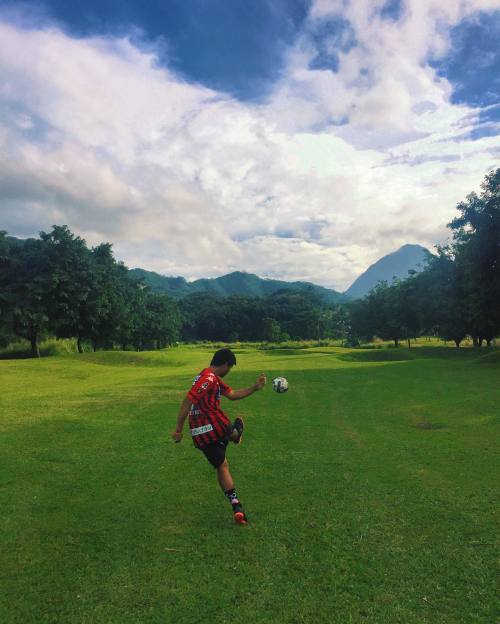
(236, 395)
(181, 419)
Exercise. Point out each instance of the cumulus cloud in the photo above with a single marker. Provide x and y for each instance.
(337, 167)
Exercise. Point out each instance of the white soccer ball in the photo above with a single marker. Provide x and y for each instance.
(280, 384)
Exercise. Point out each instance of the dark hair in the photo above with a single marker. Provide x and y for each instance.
(223, 356)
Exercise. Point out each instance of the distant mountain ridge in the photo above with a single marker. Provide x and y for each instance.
(236, 283)
(396, 264)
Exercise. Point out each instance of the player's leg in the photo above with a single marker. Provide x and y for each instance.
(224, 476)
(216, 455)
(227, 485)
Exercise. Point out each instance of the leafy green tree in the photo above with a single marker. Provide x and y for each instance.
(243, 317)
(340, 325)
(6, 301)
(4, 272)
(204, 317)
(70, 281)
(384, 314)
(105, 315)
(162, 319)
(476, 252)
(361, 322)
(297, 312)
(138, 319)
(25, 284)
(271, 330)
(406, 297)
(440, 298)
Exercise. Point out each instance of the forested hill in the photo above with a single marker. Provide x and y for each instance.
(237, 283)
(241, 283)
(396, 264)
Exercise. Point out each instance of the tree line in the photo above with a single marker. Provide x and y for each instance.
(458, 292)
(56, 285)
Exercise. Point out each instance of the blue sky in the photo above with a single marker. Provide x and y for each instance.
(234, 46)
(472, 64)
(239, 46)
(299, 139)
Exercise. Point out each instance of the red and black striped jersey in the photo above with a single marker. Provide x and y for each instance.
(207, 421)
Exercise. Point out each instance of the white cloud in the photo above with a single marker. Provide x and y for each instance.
(185, 180)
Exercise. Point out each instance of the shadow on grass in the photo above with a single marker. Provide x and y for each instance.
(403, 354)
(25, 354)
(389, 355)
(129, 358)
(491, 358)
(280, 352)
(16, 355)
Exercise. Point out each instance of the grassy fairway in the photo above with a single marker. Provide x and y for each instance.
(371, 488)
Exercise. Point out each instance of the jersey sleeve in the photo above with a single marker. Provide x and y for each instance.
(224, 388)
(201, 385)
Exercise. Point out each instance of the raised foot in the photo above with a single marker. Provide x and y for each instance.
(237, 432)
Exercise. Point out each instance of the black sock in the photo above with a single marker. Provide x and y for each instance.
(231, 497)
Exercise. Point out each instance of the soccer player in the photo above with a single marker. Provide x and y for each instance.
(211, 429)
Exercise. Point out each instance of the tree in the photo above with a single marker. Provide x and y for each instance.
(297, 312)
(162, 319)
(476, 252)
(383, 311)
(105, 315)
(339, 324)
(70, 282)
(243, 317)
(440, 298)
(25, 284)
(271, 330)
(204, 317)
(6, 301)
(4, 273)
(406, 295)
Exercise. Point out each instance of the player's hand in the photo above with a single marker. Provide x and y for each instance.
(261, 382)
(176, 436)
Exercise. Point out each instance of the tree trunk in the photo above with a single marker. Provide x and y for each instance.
(35, 350)
(79, 344)
(489, 341)
(409, 343)
(457, 342)
(475, 341)
(94, 345)
(396, 342)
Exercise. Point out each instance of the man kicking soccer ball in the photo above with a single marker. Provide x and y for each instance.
(210, 428)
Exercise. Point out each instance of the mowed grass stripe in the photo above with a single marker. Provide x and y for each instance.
(358, 514)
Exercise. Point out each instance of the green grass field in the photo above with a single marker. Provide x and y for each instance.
(371, 486)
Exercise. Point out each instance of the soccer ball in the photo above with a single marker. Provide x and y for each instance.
(280, 384)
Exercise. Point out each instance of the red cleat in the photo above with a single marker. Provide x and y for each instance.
(240, 518)
(239, 515)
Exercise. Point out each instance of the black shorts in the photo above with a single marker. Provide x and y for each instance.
(215, 452)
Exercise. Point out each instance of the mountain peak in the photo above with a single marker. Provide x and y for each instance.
(396, 264)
